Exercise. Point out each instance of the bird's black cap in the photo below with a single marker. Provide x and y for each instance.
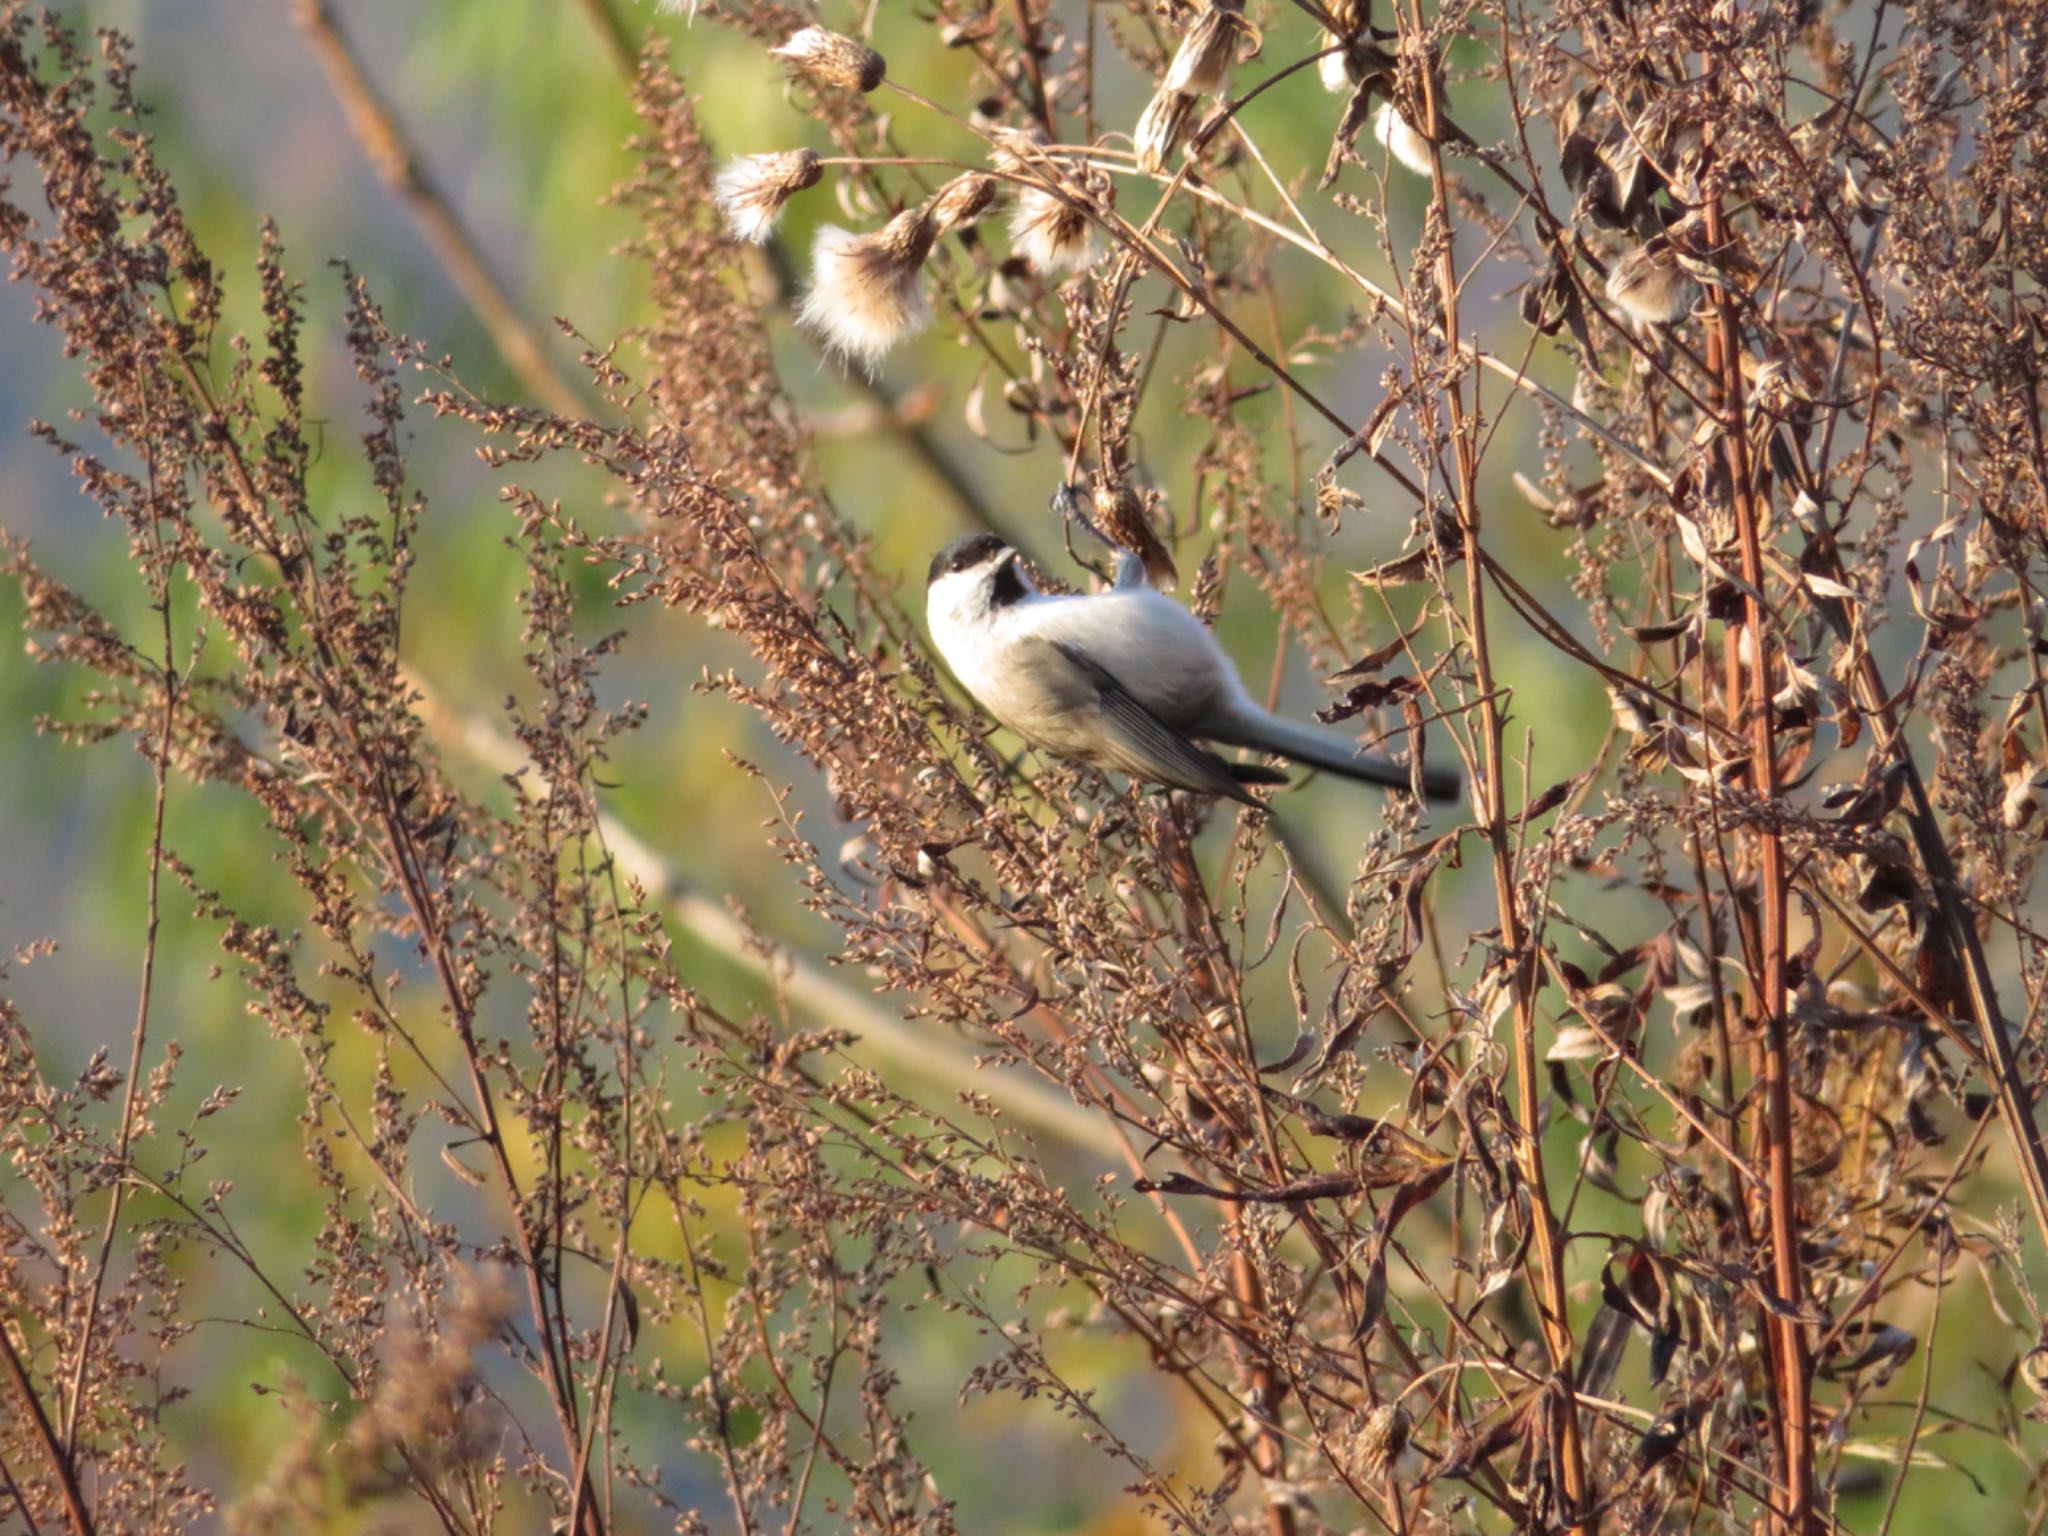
(965, 554)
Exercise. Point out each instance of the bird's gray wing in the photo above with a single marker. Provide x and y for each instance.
(1135, 741)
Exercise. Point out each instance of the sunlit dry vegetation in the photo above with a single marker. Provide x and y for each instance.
(1647, 1144)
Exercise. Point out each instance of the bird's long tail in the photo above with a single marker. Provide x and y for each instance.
(1247, 726)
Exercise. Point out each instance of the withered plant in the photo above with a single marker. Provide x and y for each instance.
(1650, 1146)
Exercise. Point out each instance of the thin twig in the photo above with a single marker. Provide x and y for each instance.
(46, 1436)
(398, 162)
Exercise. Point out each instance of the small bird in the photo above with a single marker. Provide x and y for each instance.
(1125, 679)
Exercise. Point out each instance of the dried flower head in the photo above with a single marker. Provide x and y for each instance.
(1051, 229)
(752, 191)
(962, 201)
(1161, 128)
(864, 296)
(1651, 286)
(833, 60)
(1400, 139)
(1051, 233)
(1382, 1442)
(1202, 62)
(1121, 516)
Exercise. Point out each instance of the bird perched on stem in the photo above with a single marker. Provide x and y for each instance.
(1125, 679)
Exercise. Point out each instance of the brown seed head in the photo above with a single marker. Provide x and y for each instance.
(833, 60)
(1650, 285)
(1120, 513)
(864, 296)
(1161, 128)
(752, 191)
(1054, 235)
(1202, 62)
(1381, 1440)
(962, 200)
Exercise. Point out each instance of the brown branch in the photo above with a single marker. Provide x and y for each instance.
(1333, 1186)
(1789, 1346)
(46, 1436)
(394, 158)
(613, 37)
(72, 1404)
(1490, 791)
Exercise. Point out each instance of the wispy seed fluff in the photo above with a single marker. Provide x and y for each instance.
(864, 296)
(753, 190)
(829, 59)
(1401, 141)
(1650, 285)
(1052, 235)
(1334, 69)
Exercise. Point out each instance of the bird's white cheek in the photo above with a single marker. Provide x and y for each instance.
(959, 640)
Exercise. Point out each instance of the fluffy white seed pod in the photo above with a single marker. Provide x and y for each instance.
(1332, 68)
(1341, 71)
(830, 59)
(864, 295)
(753, 190)
(1052, 235)
(1400, 140)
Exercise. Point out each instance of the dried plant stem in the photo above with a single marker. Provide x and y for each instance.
(1028, 50)
(1627, 1058)
(46, 1436)
(1315, 246)
(337, 682)
(613, 36)
(1793, 1366)
(1269, 1449)
(384, 142)
(2015, 1096)
(159, 762)
(1490, 789)
(549, 1324)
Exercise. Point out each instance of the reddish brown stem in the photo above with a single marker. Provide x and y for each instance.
(1789, 1346)
(1546, 1247)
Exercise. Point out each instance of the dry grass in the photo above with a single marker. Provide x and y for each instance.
(1801, 472)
